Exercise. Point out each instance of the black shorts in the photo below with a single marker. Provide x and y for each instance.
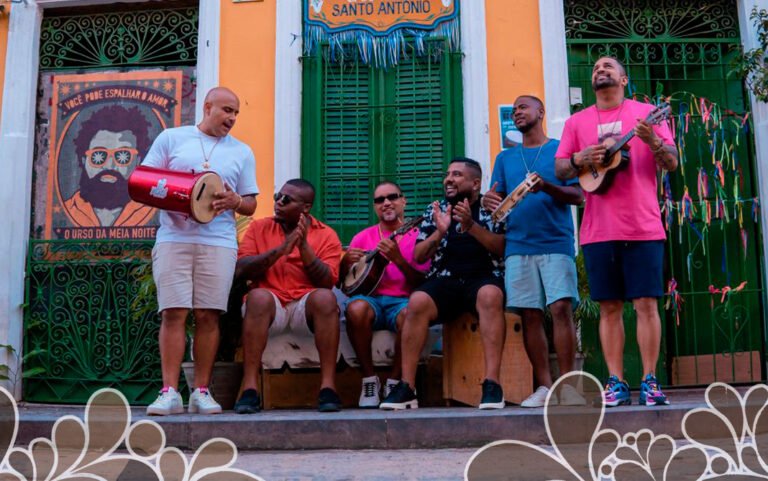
(619, 270)
(454, 297)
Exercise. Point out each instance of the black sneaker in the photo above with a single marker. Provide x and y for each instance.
(328, 401)
(493, 396)
(401, 397)
(249, 402)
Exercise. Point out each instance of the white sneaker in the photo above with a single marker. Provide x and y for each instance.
(168, 402)
(538, 398)
(369, 396)
(389, 386)
(569, 396)
(202, 402)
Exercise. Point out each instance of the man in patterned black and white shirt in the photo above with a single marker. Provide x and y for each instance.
(467, 275)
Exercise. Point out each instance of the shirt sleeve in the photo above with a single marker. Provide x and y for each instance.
(329, 251)
(159, 154)
(427, 226)
(248, 245)
(498, 175)
(246, 183)
(567, 145)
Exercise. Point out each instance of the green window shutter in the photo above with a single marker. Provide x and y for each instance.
(362, 125)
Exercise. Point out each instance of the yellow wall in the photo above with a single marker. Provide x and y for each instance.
(514, 57)
(3, 47)
(247, 66)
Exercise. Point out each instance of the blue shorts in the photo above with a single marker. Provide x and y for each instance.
(624, 270)
(536, 281)
(385, 310)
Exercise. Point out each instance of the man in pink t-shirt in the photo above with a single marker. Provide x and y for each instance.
(385, 307)
(621, 234)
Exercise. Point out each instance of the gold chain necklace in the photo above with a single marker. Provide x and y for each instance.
(206, 158)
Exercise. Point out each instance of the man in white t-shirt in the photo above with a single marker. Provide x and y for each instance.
(193, 264)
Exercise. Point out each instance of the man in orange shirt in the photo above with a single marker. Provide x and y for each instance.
(291, 261)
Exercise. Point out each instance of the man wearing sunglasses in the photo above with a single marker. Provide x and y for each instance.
(467, 275)
(109, 146)
(384, 308)
(193, 264)
(291, 262)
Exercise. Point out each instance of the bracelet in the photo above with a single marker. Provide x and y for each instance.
(658, 149)
(573, 163)
(239, 203)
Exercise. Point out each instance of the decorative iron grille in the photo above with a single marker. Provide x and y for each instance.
(681, 51)
(650, 20)
(79, 313)
(147, 37)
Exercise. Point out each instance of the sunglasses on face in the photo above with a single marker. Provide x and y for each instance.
(123, 156)
(284, 199)
(390, 197)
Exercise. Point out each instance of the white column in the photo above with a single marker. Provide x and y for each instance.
(17, 138)
(288, 51)
(475, 85)
(207, 52)
(760, 131)
(555, 65)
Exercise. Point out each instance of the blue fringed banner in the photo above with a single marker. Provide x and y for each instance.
(381, 29)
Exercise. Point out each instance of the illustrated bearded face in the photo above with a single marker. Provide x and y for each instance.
(107, 163)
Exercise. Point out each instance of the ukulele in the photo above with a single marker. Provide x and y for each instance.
(597, 177)
(364, 275)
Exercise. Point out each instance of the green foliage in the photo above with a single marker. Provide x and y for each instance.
(751, 65)
(12, 375)
(588, 310)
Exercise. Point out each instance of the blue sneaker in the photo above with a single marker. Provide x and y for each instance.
(650, 392)
(616, 392)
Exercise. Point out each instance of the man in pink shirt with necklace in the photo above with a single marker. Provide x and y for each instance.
(385, 307)
(621, 234)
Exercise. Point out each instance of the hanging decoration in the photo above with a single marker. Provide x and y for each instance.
(726, 292)
(381, 29)
(674, 300)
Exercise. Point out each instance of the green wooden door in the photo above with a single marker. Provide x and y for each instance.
(362, 125)
(683, 49)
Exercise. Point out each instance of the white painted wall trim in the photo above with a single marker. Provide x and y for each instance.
(474, 73)
(207, 52)
(555, 65)
(288, 90)
(760, 131)
(17, 138)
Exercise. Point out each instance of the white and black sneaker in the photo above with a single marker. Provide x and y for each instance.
(369, 394)
(493, 396)
(401, 397)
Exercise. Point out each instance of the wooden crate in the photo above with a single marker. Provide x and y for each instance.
(463, 365)
(708, 368)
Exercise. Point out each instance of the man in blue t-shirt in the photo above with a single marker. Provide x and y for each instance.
(539, 252)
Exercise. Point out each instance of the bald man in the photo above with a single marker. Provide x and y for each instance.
(193, 264)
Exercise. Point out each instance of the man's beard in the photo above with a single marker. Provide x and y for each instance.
(604, 84)
(458, 197)
(104, 195)
(525, 127)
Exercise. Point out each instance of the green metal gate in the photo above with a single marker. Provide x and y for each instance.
(682, 49)
(78, 315)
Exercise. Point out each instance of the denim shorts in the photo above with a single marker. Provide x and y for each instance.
(624, 270)
(536, 281)
(385, 310)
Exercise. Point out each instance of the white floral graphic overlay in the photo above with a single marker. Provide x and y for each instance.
(88, 449)
(726, 440)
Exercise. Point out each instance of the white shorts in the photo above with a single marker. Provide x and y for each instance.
(291, 318)
(193, 276)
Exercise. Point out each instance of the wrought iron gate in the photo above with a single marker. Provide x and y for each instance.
(79, 313)
(681, 50)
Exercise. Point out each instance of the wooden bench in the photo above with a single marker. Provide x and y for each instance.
(463, 365)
